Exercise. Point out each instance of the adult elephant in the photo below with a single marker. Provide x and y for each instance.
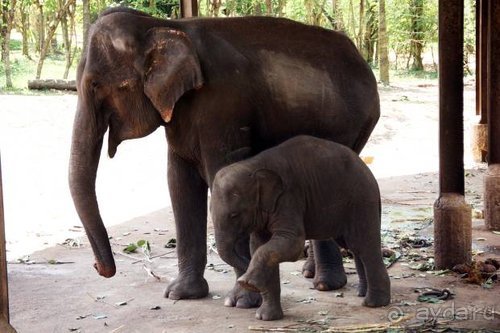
(224, 90)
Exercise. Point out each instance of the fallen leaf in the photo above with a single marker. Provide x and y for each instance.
(488, 284)
(306, 300)
(156, 307)
(172, 243)
(100, 316)
(80, 317)
(131, 248)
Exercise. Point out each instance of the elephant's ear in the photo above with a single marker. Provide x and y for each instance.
(270, 189)
(171, 69)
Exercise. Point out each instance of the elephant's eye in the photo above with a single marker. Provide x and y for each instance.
(94, 85)
(234, 215)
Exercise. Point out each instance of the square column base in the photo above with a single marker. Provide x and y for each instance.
(452, 231)
(492, 197)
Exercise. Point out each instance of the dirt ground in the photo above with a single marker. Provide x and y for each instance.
(53, 287)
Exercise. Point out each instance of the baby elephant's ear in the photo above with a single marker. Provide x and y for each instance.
(171, 68)
(270, 189)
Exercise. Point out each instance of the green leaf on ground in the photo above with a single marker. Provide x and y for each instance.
(131, 248)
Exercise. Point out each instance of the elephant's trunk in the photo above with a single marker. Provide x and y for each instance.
(85, 152)
(227, 248)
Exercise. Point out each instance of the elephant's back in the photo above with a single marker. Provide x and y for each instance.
(313, 78)
(322, 166)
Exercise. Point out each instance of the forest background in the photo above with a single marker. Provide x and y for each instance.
(44, 38)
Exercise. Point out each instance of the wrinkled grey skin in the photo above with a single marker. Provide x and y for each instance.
(223, 90)
(305, 188)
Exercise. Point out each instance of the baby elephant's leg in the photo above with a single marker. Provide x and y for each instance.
(378, 284)
(329, 272)
(360, 268)
(263, 273)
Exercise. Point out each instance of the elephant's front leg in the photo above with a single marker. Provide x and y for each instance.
(239, 296)
(188, 192)
(263, 273)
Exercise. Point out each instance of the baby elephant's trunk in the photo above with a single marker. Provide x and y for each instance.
(227, 246)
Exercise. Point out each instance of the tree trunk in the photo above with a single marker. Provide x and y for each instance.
(40, 31)
(361, 28)
(269, 7)
(86, 21)
(337, 15)
(383, 44)
(352, 21)
(416, 34)
(8, 10)
(281, 6)
(67, 29)
(371, 31)
(50, 34)
(24, 27)
(52, 84)
(214, 7)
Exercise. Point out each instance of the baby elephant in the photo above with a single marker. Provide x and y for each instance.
(304, 188)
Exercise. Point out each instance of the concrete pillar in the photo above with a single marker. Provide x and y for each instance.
(452, 215)
(492, 177)
(479, 137)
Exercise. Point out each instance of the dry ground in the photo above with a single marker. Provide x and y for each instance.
(56, 289)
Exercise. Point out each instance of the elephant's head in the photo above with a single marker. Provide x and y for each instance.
(129, 79)
(241, 203)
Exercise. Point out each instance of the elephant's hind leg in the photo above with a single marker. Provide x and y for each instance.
(378, 284)
(329, 272)
(309, 267)
(360, 268)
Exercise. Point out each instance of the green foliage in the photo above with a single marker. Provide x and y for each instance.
(158, 8)
(24, 69)
(15, 45)
(400, 16)
(317, 12)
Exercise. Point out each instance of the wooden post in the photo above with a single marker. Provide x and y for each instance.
(479, 140)
(189, 8)
(452, 215)
(492, 177)
(4, 288)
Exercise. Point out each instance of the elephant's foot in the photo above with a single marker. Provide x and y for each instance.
(374, 300)
(331, 279)
(185, 287)
(309, 268)
(269, 311)
(241, 297)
